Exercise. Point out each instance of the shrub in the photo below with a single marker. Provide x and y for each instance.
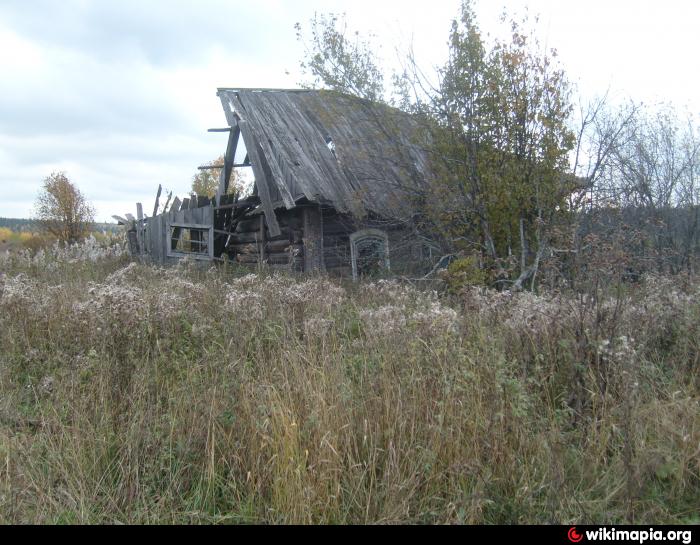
(463, 273)
(5, 235)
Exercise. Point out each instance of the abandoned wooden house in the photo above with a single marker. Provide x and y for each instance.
(335, 181)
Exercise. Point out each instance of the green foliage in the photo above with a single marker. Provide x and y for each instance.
(501, 141)
(498, 123)
(338, 62)
(463, 273)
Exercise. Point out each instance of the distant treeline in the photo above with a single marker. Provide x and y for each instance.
(664, 239)
(18, 225)
(21, 225)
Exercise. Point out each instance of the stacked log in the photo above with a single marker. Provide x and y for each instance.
(251, 243)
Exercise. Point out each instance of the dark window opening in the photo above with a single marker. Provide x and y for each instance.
(190, 241)
(370, 253)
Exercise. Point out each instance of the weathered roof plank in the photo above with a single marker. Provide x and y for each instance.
(375, 163)
(261, 180)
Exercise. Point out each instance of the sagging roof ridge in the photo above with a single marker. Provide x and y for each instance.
(368, 174)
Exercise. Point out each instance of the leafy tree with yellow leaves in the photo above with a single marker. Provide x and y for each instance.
(206, 182)
(62, 210)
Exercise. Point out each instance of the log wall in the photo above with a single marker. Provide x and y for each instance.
(252, 243)
(311, 238)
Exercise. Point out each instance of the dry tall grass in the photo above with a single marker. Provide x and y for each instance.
(135, 394)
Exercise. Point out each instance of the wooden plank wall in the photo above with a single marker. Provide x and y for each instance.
(157, 229)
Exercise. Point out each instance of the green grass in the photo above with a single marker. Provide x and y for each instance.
(191, 396)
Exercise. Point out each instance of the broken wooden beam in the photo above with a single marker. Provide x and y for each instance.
(155, 206)
(240, 204)
(262, 183)
(230, 157)
(167, 202)
(215, 167)
(139, 216)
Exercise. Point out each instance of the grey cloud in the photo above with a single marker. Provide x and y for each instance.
(103, 58)
(75, 94)
(97, 102)
(90, 146)
(113, 168)
(173, 32)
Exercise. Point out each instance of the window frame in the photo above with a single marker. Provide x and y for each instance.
(209, 256)
(358, 236)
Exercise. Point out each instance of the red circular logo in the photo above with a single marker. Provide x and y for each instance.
(574, 536)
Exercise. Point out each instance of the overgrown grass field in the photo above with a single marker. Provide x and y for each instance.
(133, 394)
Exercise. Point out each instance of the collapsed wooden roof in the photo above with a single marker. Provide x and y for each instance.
(327, 147)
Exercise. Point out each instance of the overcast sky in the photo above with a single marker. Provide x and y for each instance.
(119, 94)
